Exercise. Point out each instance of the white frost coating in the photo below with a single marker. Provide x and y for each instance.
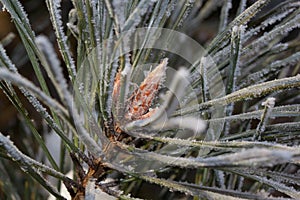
(227, 5)
(269, 21)
(241, 36)
(36, 104)
(220, 178)
(22, 82)
(291, 60)
(270, 102)
(262, 76)
(255, 155)
(96, 15)
(3, 8)
(53, 7)
(171, 7)
(22, 16)
(86, 27)
(234, 71)
(242, 6)
(119, 10)
(136, 16)
(250, 157)
(280, 30)
(189, 5)
(280, 47)
(235, 28)
(288, 190)
(51, 57)
(27, 162)
(278, 17)
(81, 88)
(162, 11)
(45, 45)
(32, 99)
(222, 54)
(7, 60)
